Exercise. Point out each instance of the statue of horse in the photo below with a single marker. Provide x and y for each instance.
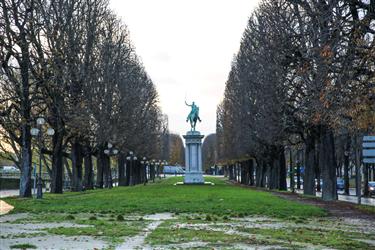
(193, 116)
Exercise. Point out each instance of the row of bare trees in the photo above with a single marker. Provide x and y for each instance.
(302, 81)
(209, 152)
(72, 62)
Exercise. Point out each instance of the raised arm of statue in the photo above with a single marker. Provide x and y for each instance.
(187, 104)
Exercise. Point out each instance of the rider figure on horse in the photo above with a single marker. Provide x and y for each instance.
(193, 115)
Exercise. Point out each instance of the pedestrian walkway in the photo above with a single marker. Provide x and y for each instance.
(9, 193)
(347, 198)
(12, 192)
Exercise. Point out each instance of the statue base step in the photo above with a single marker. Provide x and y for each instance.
(193, 178)
(205, 183)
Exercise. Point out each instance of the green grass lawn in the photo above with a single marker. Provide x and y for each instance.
(163, 196)
(201, 214)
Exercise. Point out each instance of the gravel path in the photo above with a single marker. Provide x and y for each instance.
(56, 242)
(138, 241)
(33, 233)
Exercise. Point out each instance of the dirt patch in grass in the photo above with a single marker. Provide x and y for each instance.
(334, 208)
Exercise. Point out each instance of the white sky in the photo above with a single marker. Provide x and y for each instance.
(187, 47)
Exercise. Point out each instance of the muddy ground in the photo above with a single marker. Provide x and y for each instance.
(193, 231)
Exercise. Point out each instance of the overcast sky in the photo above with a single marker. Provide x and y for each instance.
(187, 47)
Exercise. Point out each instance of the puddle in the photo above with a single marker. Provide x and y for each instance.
(247, 247)
(186, 245)
(12, 217)
(370, 242)
(161, 216)
(7, 228)
(56, 242)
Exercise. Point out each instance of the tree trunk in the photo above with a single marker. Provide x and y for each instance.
(282, 170)
(245, 174)
(139, 171)
(317, 170)
(107, 175)
(127, 172)
(346, 165)
(57, 164)
(121, 169)
(77, 166)
(135, 173)
(68, 171)
(309, 174)
(26, 154)
(131, 172)
(274, 173)
(99, 169)
(236, 172)
(365, 180)
(152, 172)
(251, 172)
(291, 170)
(263, 181)
(25, 180)
(237, 166)
(147, 170)
(258, 173)
(89, 172)
(298, 176)
(358, 162)
(328, 164)
(318, 180)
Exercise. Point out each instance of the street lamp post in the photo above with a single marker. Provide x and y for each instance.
(147, 170)
(38, 132)
(152, 173)
(131, 158)
(158, 168)
(291, 169)
(110, 151)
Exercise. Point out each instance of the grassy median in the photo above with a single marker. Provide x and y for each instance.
(163, 196)
(202, 217)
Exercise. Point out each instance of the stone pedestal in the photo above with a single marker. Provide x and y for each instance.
(193, 158)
